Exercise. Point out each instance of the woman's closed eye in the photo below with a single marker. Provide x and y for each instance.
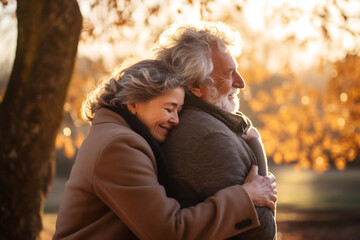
(169, 110)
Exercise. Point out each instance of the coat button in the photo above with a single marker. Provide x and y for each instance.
(243, 224)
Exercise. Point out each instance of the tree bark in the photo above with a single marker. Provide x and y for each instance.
(31, 111)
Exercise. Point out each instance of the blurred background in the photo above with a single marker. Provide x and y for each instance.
(301, 64)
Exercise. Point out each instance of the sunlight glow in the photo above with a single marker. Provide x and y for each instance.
(343, 97)
(321, 164)
(319, 161)
(305, 100)
(341, 122)
(67, 131)
(254, 15)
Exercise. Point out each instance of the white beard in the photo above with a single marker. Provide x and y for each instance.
(225, 102)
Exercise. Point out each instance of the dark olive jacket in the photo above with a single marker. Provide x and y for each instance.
(204, 156)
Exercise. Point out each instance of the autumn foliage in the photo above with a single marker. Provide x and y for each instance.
(311, 126)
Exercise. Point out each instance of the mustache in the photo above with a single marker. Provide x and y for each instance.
(234, 91)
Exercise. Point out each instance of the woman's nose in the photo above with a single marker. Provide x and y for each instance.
(174, 120)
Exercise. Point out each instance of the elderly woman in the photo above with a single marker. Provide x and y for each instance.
(115, 190)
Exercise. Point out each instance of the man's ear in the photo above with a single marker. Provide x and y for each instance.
(196, 91)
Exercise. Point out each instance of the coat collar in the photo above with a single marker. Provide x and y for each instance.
(104, 115)
(238, 122)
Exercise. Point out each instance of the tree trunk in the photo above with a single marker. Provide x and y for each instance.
(31, 111)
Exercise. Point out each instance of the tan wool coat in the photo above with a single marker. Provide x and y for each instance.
(113, 193)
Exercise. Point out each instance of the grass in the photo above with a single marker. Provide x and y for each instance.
(306, 190)
(310, 206)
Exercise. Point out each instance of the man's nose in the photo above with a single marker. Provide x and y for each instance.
(238, 81)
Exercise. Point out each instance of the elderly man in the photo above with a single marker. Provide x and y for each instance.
(212, 147)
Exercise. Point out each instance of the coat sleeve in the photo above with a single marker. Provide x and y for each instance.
(256, 145)
(125, 179)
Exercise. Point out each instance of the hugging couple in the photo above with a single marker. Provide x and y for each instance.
(167, 155)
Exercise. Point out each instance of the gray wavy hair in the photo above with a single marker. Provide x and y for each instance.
(138, 83)
(186, 49)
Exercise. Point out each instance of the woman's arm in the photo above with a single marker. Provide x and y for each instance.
(125, 179)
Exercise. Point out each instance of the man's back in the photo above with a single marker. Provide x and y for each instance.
(203, 156)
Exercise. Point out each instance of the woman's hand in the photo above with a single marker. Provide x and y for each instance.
(262, 190)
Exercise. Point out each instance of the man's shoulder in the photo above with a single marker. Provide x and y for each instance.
(194, 118)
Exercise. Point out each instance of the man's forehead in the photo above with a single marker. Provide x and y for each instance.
(223, 57)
